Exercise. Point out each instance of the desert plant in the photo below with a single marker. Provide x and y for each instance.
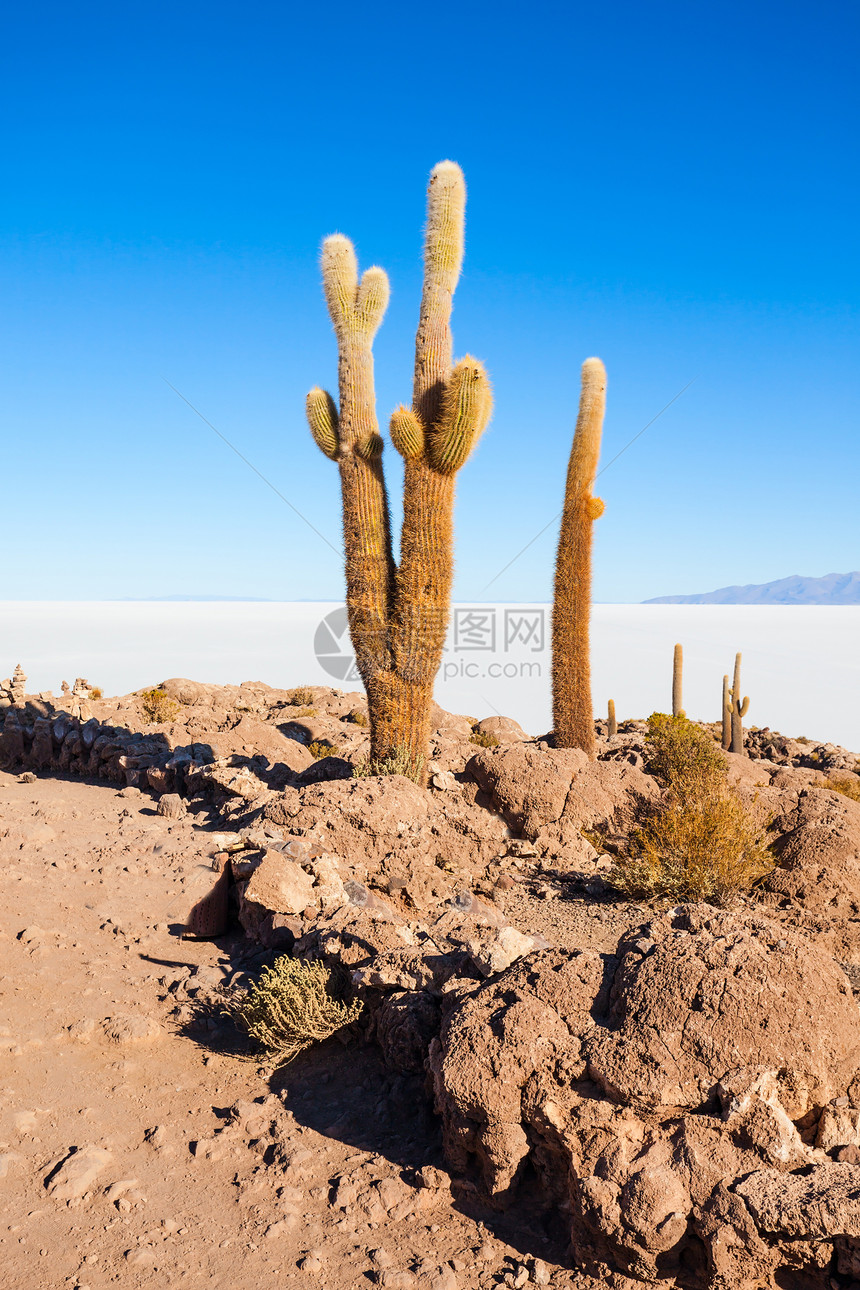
(573, 718)
(678, 682)
(157, 707)
(848, 785)
(400, 762)
(301, 697)
(727, 717)
(738, 709)
(699, 842)
(677, 749)
(398, 614)
(611, 722)
(357, 717)
(483, 739)
(319, 748)
(96, 692)
(295, 1004)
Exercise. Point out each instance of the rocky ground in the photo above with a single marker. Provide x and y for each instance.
(504, 1114)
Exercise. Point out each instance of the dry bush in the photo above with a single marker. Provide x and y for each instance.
(157, 707)
(358, 717)
(320, 748)
(399, 763)
(700, 842)
(677, 748)
(96, 692)
(483, 739)
(849, 785)
(293, 1005)
(301, 697)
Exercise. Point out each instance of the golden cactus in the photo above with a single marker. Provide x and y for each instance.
(612, 723)
(573, 718)
(678, 682)
(738, 709)
(398, 614)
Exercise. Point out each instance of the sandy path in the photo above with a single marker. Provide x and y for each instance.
(136, 1148)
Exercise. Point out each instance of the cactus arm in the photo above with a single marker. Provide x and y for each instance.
(743, 708)
(571, 671)
(466, 409)
(356, 310)
(443, 259)
(407, 433)
(323, 420)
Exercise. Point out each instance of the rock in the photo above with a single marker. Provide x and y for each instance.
(131, 1028)
(280, 885)
(209, 917)
(77, 1173)
(505, 729)
(822, 1202)
(171, 806)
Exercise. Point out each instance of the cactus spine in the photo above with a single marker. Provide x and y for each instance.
(398, 614)
(678, 682)
(573, 718)
(612, 724)
(738, 709)
(727, 717)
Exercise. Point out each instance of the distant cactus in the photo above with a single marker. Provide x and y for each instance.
(738, 709)
(398, 615)
(573, 718)
(678, 682)
(726, 716)
(612, 724)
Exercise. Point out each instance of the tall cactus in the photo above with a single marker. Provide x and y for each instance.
(678, 682)
(727, 716)
(573, 718)
(612, 723)
(738, 709)
(398, 614)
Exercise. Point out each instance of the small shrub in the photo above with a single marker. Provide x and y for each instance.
(483, 739)
(157, 707)
(849, 785)
(96, 692)
(302, 697)
(322, 748)
(303, 714)
(699, 842)
(697, 845)
(399, 763)
(678, 749)
(358, 717)
(293, 1005)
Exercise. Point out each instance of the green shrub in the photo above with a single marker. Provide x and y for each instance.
(677, 748)
(293, 1005)
(322, 748)
(157, 707)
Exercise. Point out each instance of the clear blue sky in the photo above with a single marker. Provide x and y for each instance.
(672, 187)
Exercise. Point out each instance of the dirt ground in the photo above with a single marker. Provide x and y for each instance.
(139, 1147)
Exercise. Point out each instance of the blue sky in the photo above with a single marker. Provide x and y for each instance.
(672, 187)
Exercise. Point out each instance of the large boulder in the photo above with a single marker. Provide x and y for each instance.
(647, 1087)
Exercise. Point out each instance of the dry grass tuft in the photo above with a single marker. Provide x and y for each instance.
(96, 692)
(358, 717)
(157, 707)
(483, 739)
(320, 748)
(293, 1005)
(699, 842)
(849, 785)
(399, 763)
(301, 697)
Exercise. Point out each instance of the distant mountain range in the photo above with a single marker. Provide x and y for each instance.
(832, 589)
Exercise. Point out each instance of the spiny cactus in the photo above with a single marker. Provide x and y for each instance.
(398, 614)
(738, 709)
(727, 716)
(678, 682)
(573, 718)
(612, 724)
